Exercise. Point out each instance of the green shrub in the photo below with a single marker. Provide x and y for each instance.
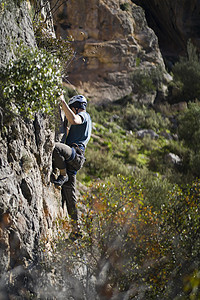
(176, 147)
(131, 154)
(156, 188)
(186, 77)
(137, 116)
(32, 83)
(179, 225)
(98, 113)
(152, 246)
(189, 134)
(101, 164)
(189, 126)
(143, 83)
(193, 163)
(60, 48)
(148, 80)
(131, 241)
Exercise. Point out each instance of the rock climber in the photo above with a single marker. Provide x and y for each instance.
(69, 157)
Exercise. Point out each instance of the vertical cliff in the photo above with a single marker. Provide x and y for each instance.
(111, 41)
(15, 26)
(29, 205)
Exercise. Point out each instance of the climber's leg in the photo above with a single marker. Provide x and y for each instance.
(69, 196)
(61, 154)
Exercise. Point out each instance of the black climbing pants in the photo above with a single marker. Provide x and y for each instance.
(69, 196)
(71, 159)
(61, 154)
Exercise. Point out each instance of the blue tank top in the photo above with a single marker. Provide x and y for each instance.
(80, 134)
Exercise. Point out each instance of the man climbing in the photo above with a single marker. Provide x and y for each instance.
(69, 157)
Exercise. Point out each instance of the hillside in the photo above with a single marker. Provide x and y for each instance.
(138, 193)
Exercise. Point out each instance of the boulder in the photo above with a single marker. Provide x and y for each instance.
(172, 158)
(147, 132)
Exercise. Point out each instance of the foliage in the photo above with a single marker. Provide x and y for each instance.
(180, 236)
(128, 153)
(61, 48)
(104, 164)
(147, 80)
(189, 134)
(138, 116)
(143, 246)
(143, 83)
(189, 126)
(186, 77)
(115, 148)
(156, 188)
(133, 248)
(32, 82)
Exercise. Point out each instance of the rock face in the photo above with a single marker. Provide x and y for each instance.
(111, 40)
(174, 22)
(29, 205)
(27, 201)
(11, 34)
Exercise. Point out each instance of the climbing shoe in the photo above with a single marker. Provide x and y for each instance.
(60, 180)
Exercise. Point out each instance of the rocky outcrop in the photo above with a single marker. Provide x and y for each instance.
(174, 22)
(111, 40)
(29, 205)
(16, 28)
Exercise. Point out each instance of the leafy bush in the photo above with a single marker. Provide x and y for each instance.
(189, 134)
(100, 114)
(118, 220)
(153, 248)
(141, 116)
(61, 48)
(131, 246)
(148, 80)
(102, 164)
(32, 83)
(186, 77)
(179, 224)
(156, 188)
(189, 126)
(143, 83)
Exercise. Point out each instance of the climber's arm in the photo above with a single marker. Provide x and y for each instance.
(70, 115)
